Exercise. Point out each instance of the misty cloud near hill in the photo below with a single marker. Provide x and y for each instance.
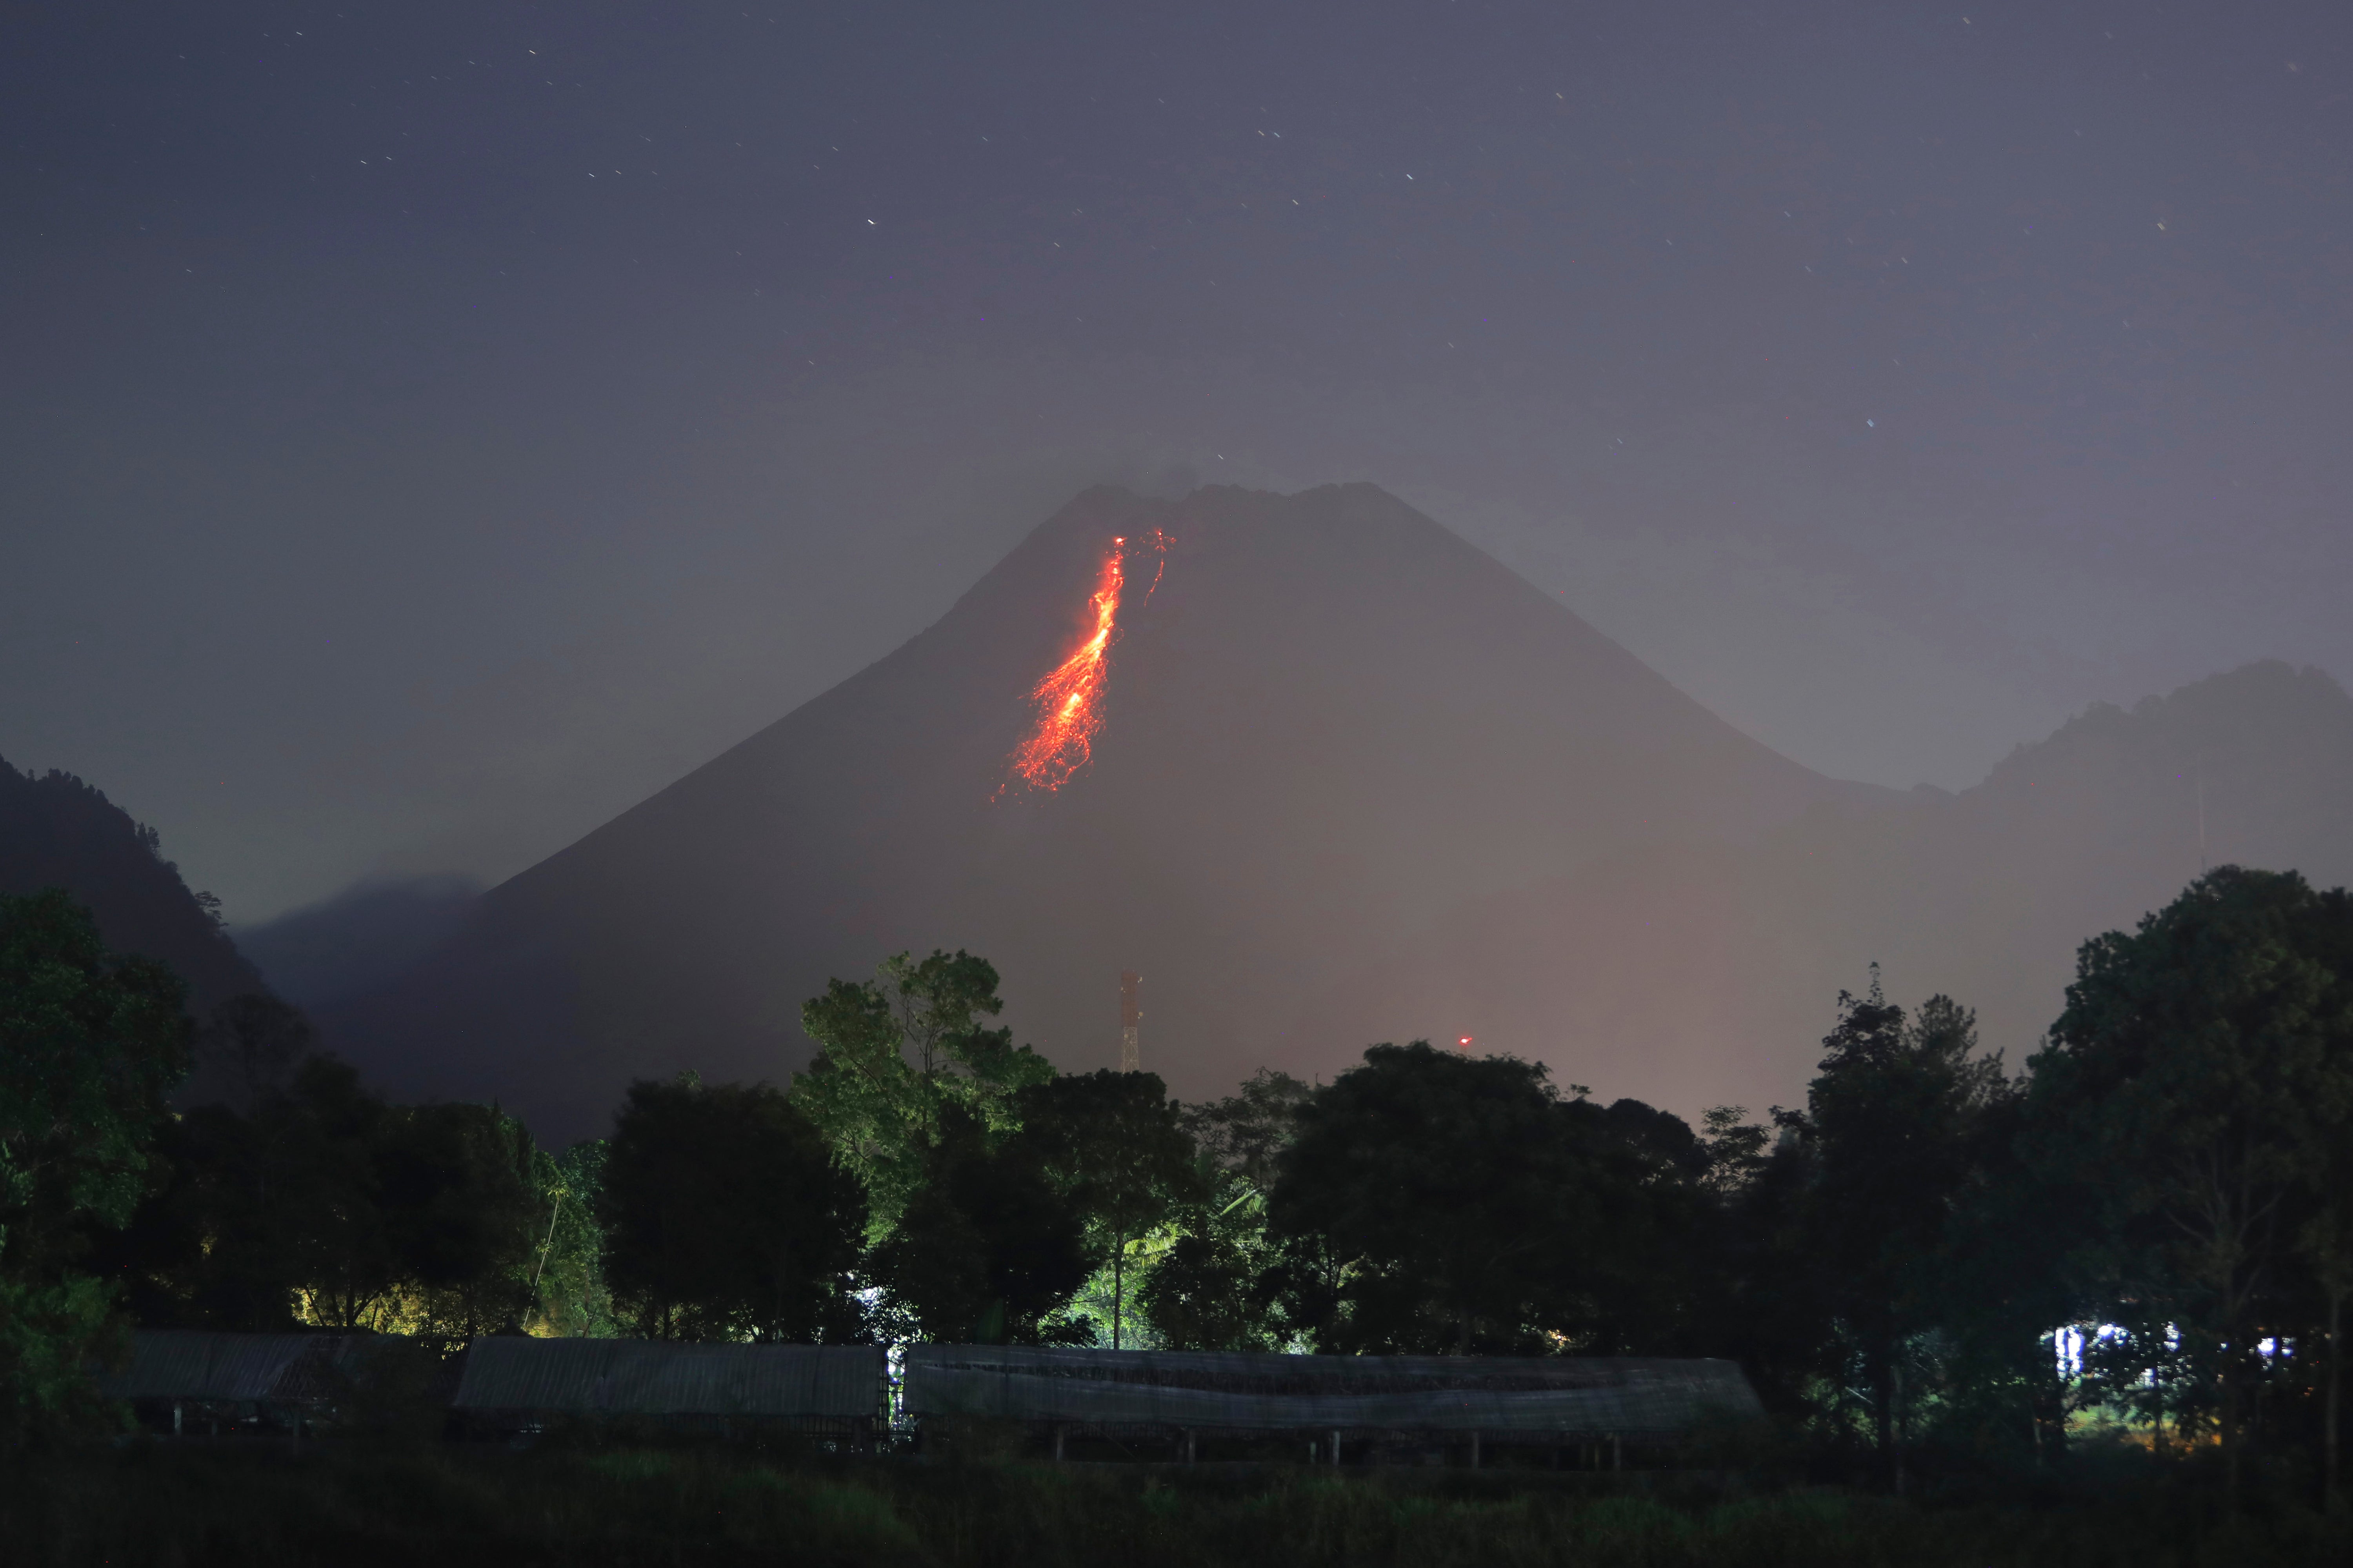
(360, 938)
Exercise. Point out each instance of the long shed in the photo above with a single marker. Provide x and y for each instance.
(240, 1375)
(515, 1381)
(218, 1369)
(1557, 1400)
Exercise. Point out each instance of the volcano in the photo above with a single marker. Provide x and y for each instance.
(1330, 722)
(1323, 774)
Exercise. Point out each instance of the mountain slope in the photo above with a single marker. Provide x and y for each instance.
(1332, 720)
(57, 831)
(1709, 971)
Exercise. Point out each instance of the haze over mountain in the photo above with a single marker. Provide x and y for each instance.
(323, 953)
(1355, 780)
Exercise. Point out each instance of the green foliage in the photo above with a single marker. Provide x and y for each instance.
(90, 1047)
(568, 1276)
(459, 1187)
(2191, 1104)
(323, 1204)
(1112, 1142)
(1899, 1130)
(1436, 1202)
(896, 1052)
(1245, 1133)
(51, 1334)
(1220, 1282)
(1208, 1291)
(725, 1218)
(990, 1247)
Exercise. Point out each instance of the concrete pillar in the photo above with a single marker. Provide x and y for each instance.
(1336, 1449)
(1474, 1450)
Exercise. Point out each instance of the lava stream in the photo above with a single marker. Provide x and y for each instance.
(1070, 699)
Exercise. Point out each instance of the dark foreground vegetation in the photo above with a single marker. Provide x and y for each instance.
(189, 1507)
(2092, 1311)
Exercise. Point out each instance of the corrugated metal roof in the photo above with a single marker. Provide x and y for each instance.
(642, 1377)
(179, 1363)
(1567, 1395)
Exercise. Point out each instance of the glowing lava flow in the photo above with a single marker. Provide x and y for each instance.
(1070, 699)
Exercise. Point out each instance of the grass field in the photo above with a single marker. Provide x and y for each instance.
(193, 1505)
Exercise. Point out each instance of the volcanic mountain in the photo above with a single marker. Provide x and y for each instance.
(1323, 722)
(1324, 773)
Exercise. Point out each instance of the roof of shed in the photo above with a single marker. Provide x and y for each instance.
(645, 1377)
(179, 1363)
(1554, 1395)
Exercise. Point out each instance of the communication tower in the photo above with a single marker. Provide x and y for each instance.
(1131, 1022)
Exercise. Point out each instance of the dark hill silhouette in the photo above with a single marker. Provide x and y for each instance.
(360, 938)
(57, 831)
(1333, 721)
(1710, 970)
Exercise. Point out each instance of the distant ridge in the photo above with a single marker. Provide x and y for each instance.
(57, 831)
(358, 939)
(1716, 965)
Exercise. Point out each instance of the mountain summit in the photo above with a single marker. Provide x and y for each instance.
(1316, 723)
(1324, 773)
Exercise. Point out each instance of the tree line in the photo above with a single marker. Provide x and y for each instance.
(1934, 1265)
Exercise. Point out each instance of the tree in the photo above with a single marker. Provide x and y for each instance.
(463, 1213)
(264, 1218)
(300, 1194)
(249, 1049)
(1214, 1289)
(1737, 1150)
(1224, 1284)
(1452, 1200)
(2192, 1092)
(1114, 1144)
(90, 1046)
(568, 1290)
(323, 1204)
(989, 1246)
(1893, 1130)
(1246, 1133)
(895, 1054)
(2325, 1240)
(725, 1217)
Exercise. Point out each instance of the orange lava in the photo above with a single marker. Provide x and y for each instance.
(1070, 699)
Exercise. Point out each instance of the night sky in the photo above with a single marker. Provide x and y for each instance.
(428, 428)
